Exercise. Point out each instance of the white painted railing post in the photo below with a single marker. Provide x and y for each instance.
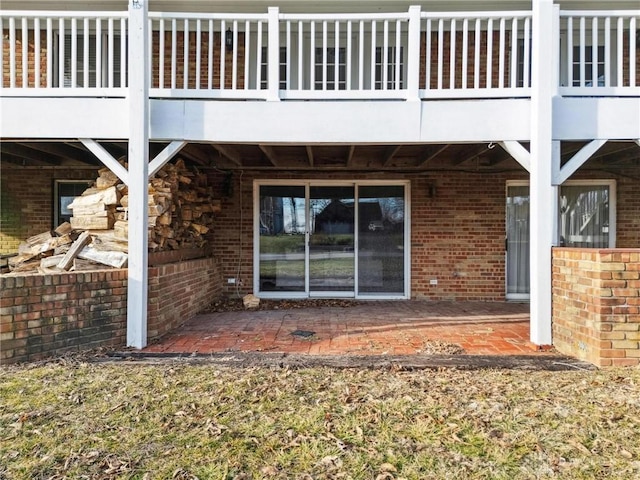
(544, 152)
(138, 158)
(273, 55)
(413, 54)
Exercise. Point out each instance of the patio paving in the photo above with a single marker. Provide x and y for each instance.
(369, 328)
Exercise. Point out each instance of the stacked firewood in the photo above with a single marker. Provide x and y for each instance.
(180, 211)
(180, 208)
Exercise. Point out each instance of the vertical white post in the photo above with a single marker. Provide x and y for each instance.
(545, 45)
(273, 55)
(413, 54)
(138, 174)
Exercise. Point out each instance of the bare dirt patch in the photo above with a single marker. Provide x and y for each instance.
(235, 304)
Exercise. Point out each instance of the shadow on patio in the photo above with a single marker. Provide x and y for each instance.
(365, 328)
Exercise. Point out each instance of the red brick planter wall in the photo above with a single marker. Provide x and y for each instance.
(178, 291)
(596, 304)
(46, 315)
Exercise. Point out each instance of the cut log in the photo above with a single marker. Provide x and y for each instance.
(80, 265)
(93, 223)
(50, 264)
(63, 229)
(108, 243)
(40, 238)
(108, 196)
(78, 245)
(112, 259)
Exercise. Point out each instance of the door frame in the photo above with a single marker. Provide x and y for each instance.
(512, 296)
(307, 183)
(611, 183)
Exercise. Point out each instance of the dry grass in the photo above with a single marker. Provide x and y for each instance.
(125, 420)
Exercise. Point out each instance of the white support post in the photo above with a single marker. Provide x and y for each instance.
(138, 173)
(543, 195)
(164, 156)
(413, 54)
(273, 55)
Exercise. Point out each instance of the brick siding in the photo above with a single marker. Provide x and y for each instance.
(44, 315)
(27, 203)
(47, 315)
(596, 304)
(179, 291)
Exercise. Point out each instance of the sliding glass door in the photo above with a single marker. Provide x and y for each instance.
(331, 240)
(586, 219)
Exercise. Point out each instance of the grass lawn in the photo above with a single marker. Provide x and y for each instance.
(70, 419)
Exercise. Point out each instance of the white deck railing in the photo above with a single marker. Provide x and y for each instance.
(275, 56)
(600, 53)
(481, 55)
(64, 53)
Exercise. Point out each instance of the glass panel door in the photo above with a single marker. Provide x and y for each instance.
(381, 238)
(331, 240)
(584, 216)
(517, 242)
(282, 224)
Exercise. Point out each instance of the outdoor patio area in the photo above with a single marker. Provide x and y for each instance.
(360, 328)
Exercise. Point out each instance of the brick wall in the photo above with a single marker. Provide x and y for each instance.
(47, 315)
(457, 236)
(179, 291)
(204, 61)
(471, 71)
(27, 203)
(596, 304)
(44, 315)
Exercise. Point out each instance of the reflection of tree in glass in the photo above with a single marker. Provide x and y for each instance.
(392, 209)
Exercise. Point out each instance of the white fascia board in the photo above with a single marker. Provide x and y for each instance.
(104, 118)
(341, 122)
(596, 118)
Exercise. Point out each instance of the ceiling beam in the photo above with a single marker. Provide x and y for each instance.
(430, 154)
(64, 151)
(229, 153)
(27, 153)
(21, 161)
(310, 155)
(350, 156)
(471, 154)
(389, 153)
(271, 155)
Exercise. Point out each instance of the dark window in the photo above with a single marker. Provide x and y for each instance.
(64, 192)
(331, 69)
(588, 66)
(393, 83)
(264, 72)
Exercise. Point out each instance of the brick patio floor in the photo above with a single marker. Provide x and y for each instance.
(372, 328)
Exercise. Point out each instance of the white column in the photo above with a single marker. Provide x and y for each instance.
(273, 55)
(544, 151)
(413, 54)
(138, 159)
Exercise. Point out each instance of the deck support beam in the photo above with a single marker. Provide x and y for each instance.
(165, 155)
(106, 158)
(518, 152)
(138, 156)
(562, 174)
(544, 152)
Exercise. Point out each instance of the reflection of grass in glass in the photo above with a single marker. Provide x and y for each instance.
(295, 243)
(330, 267)
(281, 243)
